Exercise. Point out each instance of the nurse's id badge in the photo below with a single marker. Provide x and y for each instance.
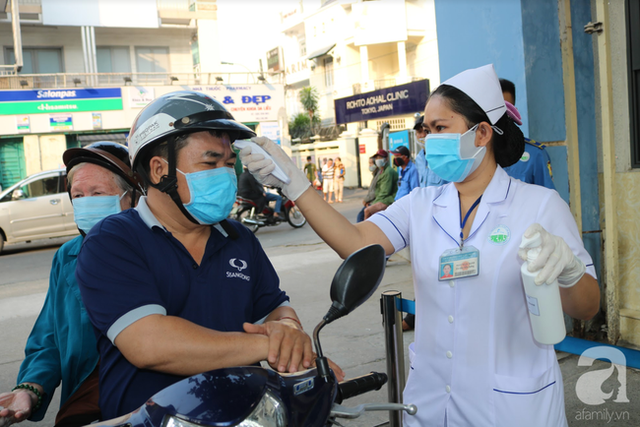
(459, 263)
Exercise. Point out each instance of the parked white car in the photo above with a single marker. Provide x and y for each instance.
(38, 207)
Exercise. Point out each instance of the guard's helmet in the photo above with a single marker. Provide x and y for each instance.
(111, 156)
(179, 113)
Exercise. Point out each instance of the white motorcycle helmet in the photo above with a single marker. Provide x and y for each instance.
(172, 115)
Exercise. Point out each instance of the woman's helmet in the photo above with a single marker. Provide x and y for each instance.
(172, 115)
(111, 156)
(179, 113)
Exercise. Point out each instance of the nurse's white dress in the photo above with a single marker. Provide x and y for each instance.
(476, 362)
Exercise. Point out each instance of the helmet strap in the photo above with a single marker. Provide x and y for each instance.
(169, 183)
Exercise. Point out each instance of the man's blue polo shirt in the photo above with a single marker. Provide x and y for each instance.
(408, 179)
(130, 266)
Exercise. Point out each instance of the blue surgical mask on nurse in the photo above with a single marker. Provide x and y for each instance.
(453, 156)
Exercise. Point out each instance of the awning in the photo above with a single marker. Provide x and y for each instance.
(321, 52)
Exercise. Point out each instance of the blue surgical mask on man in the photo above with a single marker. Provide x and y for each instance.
(213, 193)
(88, 211)
(452, 156)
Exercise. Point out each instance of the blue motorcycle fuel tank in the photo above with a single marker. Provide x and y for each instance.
(226, 397)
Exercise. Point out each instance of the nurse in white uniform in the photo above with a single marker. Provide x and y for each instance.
(476, 362)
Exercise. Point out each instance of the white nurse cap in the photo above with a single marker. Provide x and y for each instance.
(482, 85)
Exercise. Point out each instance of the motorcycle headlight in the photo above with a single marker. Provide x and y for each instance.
(270, 412)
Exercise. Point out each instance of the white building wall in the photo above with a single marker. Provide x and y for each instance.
(337, 24)
(70, 40)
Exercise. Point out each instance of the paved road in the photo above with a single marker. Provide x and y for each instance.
(306, 266)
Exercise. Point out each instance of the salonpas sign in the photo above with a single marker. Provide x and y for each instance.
(47, 101)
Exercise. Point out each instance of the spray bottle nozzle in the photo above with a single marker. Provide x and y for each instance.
(533, 245)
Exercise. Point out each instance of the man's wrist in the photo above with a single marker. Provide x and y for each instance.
(291, 320)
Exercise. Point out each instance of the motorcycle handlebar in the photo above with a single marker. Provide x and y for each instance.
(359, 385)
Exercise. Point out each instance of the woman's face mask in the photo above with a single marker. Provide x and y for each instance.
(452, 156)
(88, 211)
(380, 162)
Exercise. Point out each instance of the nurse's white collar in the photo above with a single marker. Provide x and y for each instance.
(496, 191)
(151, 221)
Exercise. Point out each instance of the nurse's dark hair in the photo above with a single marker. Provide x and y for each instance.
(508, 147)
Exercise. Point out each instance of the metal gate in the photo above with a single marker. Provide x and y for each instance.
(12, 164)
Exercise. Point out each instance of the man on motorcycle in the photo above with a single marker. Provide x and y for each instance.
(249, 188)
(173, 288)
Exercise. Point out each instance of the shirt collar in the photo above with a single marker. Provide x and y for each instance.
(151, 221)
(496, 191)
(146, 215)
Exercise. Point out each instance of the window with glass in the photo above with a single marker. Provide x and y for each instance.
(302, 41)
(328, 71)
(633, 38)
(113, 59)
(152, 59)
(41, 187)
(37, 60)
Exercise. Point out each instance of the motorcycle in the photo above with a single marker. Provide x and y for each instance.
(258, 397)
(246, 212)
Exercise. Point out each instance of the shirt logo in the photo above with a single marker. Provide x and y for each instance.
(500, 235)
(525, 157)
(242, 266)
(239, 265)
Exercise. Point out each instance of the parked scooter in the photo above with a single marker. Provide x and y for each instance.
(258, 397)
(246, 212)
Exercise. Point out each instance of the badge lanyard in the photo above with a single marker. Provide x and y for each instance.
(463, 222)
(460, 262)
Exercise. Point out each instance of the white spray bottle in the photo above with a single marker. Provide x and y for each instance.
(543, 301)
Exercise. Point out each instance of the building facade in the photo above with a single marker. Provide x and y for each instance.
(344, 48)
(85, 76)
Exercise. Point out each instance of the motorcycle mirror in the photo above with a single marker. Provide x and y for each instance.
(356, 280)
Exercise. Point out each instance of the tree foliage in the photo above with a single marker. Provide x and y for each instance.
(309, 99)
(304, 125)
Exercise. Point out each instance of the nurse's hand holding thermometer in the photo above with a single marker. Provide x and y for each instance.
(271, 166)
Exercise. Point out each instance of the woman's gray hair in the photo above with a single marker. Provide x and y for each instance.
(120, 181)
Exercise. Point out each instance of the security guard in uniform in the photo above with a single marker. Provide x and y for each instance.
(534, 166)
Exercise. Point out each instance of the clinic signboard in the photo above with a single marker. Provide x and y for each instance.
(394, 101)
(50, 101)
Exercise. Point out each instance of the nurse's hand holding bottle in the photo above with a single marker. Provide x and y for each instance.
(555, 260)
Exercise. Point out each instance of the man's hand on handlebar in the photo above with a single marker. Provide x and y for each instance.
(289, 346)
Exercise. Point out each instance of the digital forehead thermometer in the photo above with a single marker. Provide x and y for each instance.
(256, 149)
